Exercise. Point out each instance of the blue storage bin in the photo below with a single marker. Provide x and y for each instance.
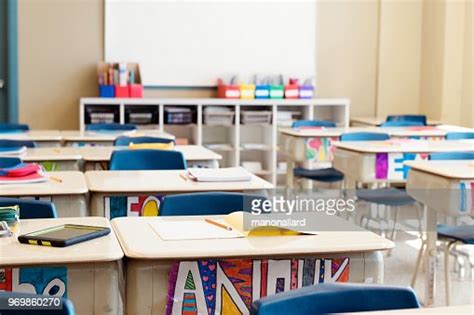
(262, 91)
(106, 91)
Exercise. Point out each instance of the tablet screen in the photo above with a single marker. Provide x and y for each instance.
(65, 232)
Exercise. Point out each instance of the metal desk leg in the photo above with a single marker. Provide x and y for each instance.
(431, 251)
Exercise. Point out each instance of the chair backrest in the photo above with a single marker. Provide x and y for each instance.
(313, 123)
(364, 136)
(7, 127)
(207, 203)
(402, 123)
(146, 159)
(65, 308)
(459, 135)
(124, 140)
(31, 209)
(416, 118)
(8, 143)
(9, 161)
(111, 127)
(452, 156)
(330, 298)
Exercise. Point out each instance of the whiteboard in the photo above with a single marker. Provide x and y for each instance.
(192, 43)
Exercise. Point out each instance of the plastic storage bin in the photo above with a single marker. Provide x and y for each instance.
(218, 116)
(277, 91)
(228, 91)
(292, 91)
(247, 91)
(248, 117)
(262, 91)
(178, 115)
(106, 91)
(122, 91)
(306, 91)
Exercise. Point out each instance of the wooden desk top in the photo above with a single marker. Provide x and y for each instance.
(377, 121)
(400, 146)
(76, 135)
(457, 309)
(428, 131)
(52, 154)
(105, 248)
(162, 181)
(190, 152)
(139, 240)
(73, 183)
(34, 135)
(462, 169)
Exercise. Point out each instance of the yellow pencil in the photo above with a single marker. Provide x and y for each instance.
(56, 179)
(183, 177)
(225, 227)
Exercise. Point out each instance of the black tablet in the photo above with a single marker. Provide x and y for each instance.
(63, 235)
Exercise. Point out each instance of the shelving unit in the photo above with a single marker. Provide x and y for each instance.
(150, 114)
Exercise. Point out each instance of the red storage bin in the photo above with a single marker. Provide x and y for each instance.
(228, 91)
(135, 90)
(291, 91)
(122, 91)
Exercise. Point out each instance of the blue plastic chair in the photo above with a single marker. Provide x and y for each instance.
(402, 123)
(415, 118)
(459, 135)
(66, 307)
(125, 141)
(328, 298)
(31, 209)
(146, 159)
(313, 123)
(111, 127)
(7, 127)
(207, 203)
(452, 156)
(452, 235)
(364, 136)
(7, 143)
(9, 161)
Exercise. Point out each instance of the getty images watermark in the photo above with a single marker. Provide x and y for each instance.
(282, 212)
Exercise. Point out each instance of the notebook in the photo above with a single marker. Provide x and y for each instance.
(225, 174)
(170, 229)
(12, 150)
(21, 174)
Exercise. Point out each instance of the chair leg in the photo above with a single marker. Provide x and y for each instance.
(393, 234)
(447, 277)
(419, 258)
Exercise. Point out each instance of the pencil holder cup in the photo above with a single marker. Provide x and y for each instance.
(291, 91)
(135, 90)
(228, 91)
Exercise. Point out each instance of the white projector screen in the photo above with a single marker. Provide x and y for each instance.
(192, 43)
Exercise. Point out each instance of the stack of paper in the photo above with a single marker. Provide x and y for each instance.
(10, 214)
(9, 151)
(21, 174)
(226, 174)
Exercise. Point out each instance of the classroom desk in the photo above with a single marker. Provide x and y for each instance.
(55, 159)
(439, 185)
(458, 309)
(69, 196)
(313, 147)
(257, 265)
(137, 193)
(382, 161)
(97, 158)
(87, 273)
(95, 138)
(377, 121)
(43, 138)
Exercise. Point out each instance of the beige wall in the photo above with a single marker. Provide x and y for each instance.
(59, 45)
(467, 106)
(387, 56)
